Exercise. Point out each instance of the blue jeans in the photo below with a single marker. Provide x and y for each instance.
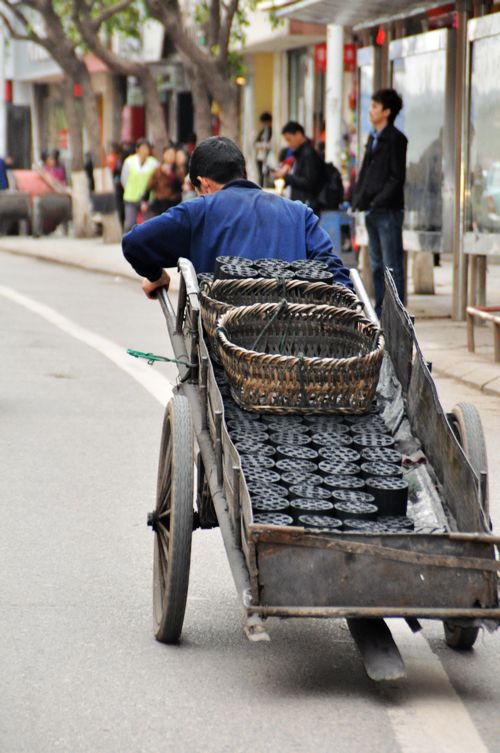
(385, 249)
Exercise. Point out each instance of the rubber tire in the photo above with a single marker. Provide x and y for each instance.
(466, 423)
(458, 637)
(172, 555)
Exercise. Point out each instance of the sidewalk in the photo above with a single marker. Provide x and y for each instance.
(443, 341)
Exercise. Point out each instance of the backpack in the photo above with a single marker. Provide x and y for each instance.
(331, 195)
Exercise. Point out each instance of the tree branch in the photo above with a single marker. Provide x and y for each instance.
(13, 33)
(172, 21)
(225, 32)
(214, 26)
(29, 36)
(110, 11)
(89, 33)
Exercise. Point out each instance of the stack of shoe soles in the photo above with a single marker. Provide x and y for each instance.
(321, 472)
(238, 268)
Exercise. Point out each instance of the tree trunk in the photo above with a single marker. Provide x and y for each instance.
(74, 125)
(91, 118)
(82, 221)
(155, 118)
(226, 93)
(201, 105)
(229, 112)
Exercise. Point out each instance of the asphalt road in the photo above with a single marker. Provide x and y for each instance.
(80, 669)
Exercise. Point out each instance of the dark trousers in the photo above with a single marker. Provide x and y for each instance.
(385, 249)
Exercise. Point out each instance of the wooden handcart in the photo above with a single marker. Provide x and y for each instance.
(448, 574)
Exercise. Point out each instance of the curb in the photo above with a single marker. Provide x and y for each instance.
(70, 263)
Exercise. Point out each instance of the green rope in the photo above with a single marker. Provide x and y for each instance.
(152, 357)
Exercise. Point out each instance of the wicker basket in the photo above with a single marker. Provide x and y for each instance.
(223, 295)
(294, 358)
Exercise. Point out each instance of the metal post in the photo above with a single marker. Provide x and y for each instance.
(459, 296)
(334, 91)
(3, 107)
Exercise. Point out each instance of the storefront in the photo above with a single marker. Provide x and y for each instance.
(482, 195)
(445, 64)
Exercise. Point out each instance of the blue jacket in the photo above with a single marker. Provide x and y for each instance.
(239, 220)
(4, 182)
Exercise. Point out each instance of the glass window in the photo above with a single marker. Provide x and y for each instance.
(421, 81)
(484, 157)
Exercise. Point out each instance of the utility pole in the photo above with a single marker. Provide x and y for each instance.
(334, 92)
(3, 106)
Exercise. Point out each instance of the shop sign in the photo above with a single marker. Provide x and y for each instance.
(320, 58)
(63, 138)
(349, 57)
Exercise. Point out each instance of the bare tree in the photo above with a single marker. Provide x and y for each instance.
(64, 51)
(89, 23)
(210, 61)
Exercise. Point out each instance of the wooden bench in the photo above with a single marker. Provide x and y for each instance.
(487, 314)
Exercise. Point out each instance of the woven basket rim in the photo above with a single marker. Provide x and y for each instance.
(249, 283)
(268, 358)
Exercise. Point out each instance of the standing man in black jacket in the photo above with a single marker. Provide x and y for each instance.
(306, 176)
(379, 192)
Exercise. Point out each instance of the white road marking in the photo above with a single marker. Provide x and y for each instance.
(156, 384)
(425, 712)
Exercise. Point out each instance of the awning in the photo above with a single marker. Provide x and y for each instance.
(352, 13)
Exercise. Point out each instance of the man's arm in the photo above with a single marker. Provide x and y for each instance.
(158, 243)
(319, 246)
(124, 173)
(397, 173)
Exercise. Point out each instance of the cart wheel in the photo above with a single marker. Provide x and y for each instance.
(172, 521)
(466, 424)
(458, 637)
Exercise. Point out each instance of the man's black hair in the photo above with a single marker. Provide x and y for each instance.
(266, 117)
(217, 158)
(390, 100)
(141, 142)
(293, 127)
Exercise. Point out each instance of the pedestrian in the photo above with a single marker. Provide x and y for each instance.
(379, 192)
(136, 172)
(53, 168)
(263, 146)
(181, 163)
(165, 185)
(114, 162)
(306, 176)
(5, 164)
(231, 215)
(88, 167)
(190, 143)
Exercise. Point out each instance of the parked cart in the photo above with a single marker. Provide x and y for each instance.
(446, 569)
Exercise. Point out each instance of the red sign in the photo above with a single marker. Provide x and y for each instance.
(63, 138)
(8, 91)
(380, 38)
(320, 58)
(350, 57)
